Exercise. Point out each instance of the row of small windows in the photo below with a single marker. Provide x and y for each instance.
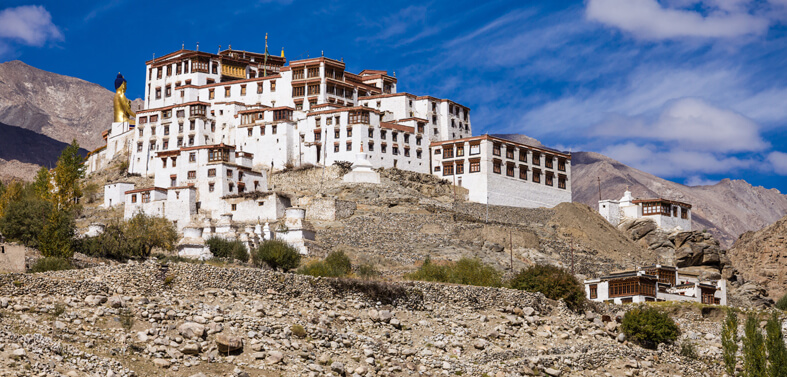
(194, 110)
(228, 90)
(497, 168)
(202, 65)
(665, 209)
(395, 150)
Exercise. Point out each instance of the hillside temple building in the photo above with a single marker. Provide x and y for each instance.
(214, 127)
(668, 214)
(655, 283)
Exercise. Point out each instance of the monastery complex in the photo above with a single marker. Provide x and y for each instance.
(214, 126)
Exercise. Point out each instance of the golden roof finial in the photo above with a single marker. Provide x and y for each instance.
(282, 52)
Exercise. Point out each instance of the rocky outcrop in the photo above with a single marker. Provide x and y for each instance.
(678, 248)
(760, 257)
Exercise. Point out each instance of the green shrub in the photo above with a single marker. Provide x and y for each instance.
(336, 264)
(221, 248)
(51, 264)
(59, 309)
(474, 272)
(126, 319)
(554, 282)
(368, 271)
(649, 327)
(276, 254)
(782, 303)
(339, 263)
(687, 349)
(298, 331)
(469, 271)
(429, 272)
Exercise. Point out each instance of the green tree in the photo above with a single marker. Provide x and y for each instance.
(145, 232)
(12, 192)
(753, 348)
(57, 236)
(774, 343)
(42, 185)
(69, 170)
(24, 218)
(554, 282)
(649, 327)
(729, 341)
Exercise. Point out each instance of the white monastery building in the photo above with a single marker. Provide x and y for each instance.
(502, 172)
(214, 126)
(668, 214)
(655, 283)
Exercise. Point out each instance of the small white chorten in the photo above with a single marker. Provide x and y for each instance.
(363, 171)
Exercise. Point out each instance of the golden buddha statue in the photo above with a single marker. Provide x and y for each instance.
(122, 104)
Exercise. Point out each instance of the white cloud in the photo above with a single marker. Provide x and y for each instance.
(666, 162)
(778, 160)
(29, 24)
(647, 19)
(692, 124)
(696, 180)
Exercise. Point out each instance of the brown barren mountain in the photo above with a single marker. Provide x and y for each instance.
(727, 209)
(59, 107)
(759, 256)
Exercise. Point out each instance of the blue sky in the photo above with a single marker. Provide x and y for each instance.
(690, 90)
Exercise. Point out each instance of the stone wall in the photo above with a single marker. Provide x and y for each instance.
(148, 278)
(12, 257)
(326, 209)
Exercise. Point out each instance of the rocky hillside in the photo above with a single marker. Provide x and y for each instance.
(760, 257)
(199, 320)
(408, 216)
(726, 209)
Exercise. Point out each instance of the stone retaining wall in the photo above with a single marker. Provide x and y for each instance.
(148, 278)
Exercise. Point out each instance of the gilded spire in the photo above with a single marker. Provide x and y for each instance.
(282, 52)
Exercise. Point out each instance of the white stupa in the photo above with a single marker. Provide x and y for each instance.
(362, 170)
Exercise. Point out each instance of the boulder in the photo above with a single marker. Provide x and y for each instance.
(274, 357)
(115, 302)
(711, 256)
(678, 239)
(95, 300)
(686, 256)
(190, 348)
(228, 343)
(191, 330)
(491, 246)
(161, 363)
(638, 228)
